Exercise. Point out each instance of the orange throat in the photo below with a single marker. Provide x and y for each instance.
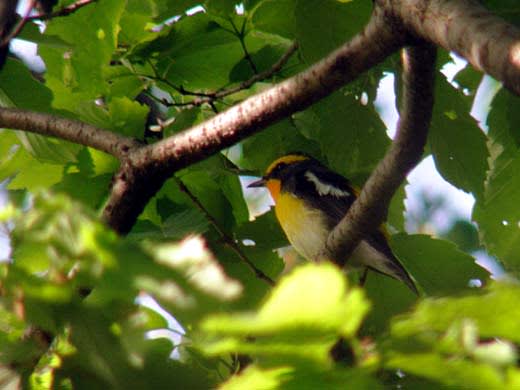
(274, 187)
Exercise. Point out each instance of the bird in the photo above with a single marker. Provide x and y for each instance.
(310, 200)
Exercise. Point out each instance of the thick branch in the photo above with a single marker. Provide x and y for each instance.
(379, 39)
(370, 209)
(67, 129)
(489, 43)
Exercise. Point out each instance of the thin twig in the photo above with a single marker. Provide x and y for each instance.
(227, 240)
(275, 68)
(19, 26)
(213, 107)
(240, 35)
(63, 11)
(208, 98)
(184, 91)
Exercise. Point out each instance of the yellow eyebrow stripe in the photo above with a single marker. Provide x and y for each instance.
(286, 160)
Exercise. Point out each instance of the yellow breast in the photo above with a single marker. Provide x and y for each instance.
(304, 227)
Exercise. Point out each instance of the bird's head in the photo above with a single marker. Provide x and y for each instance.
(278, 171)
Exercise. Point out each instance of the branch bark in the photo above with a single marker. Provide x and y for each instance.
(488, 42)
(379, 39)
(370, 209)
(68, 129)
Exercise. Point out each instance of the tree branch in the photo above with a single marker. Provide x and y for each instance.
(68, 129)
(69, 9)
(370, 209)
(379, 39)
(488, 42)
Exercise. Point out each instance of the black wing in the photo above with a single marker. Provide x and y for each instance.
(324, 190)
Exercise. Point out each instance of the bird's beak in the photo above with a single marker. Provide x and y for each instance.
(258, 183)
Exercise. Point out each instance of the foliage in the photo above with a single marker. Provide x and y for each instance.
(69, 316)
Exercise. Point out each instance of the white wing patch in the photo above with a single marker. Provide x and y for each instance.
(324, 188)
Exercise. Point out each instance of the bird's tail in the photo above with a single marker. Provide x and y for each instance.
(394, 269)
(375, 253)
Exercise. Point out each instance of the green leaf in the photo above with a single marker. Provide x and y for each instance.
(351, 135)
(208, 192)
(469, 79)
(230, 185)
(255, 289)
(292, 311)
(453, 374)
(264, 231)
(168, 9)
(92, 194)
(263, 148)
(464, 234)
(321, 26)
(389, 298)
(49, 150)
(224, 7)
(275, 17)
(397, 208)
(15, 81)
(76, 74)
(198, 53)
(123, 82)
(300, 378)
(184, 120)
(446, 339)
(192, 258)
(437, 265)
(497, 215)
(136, 22)
(31, 32)
(492, 310)
(121, 115)
(458, 146)
(28, 172)
(180, 223)
(296, 303)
